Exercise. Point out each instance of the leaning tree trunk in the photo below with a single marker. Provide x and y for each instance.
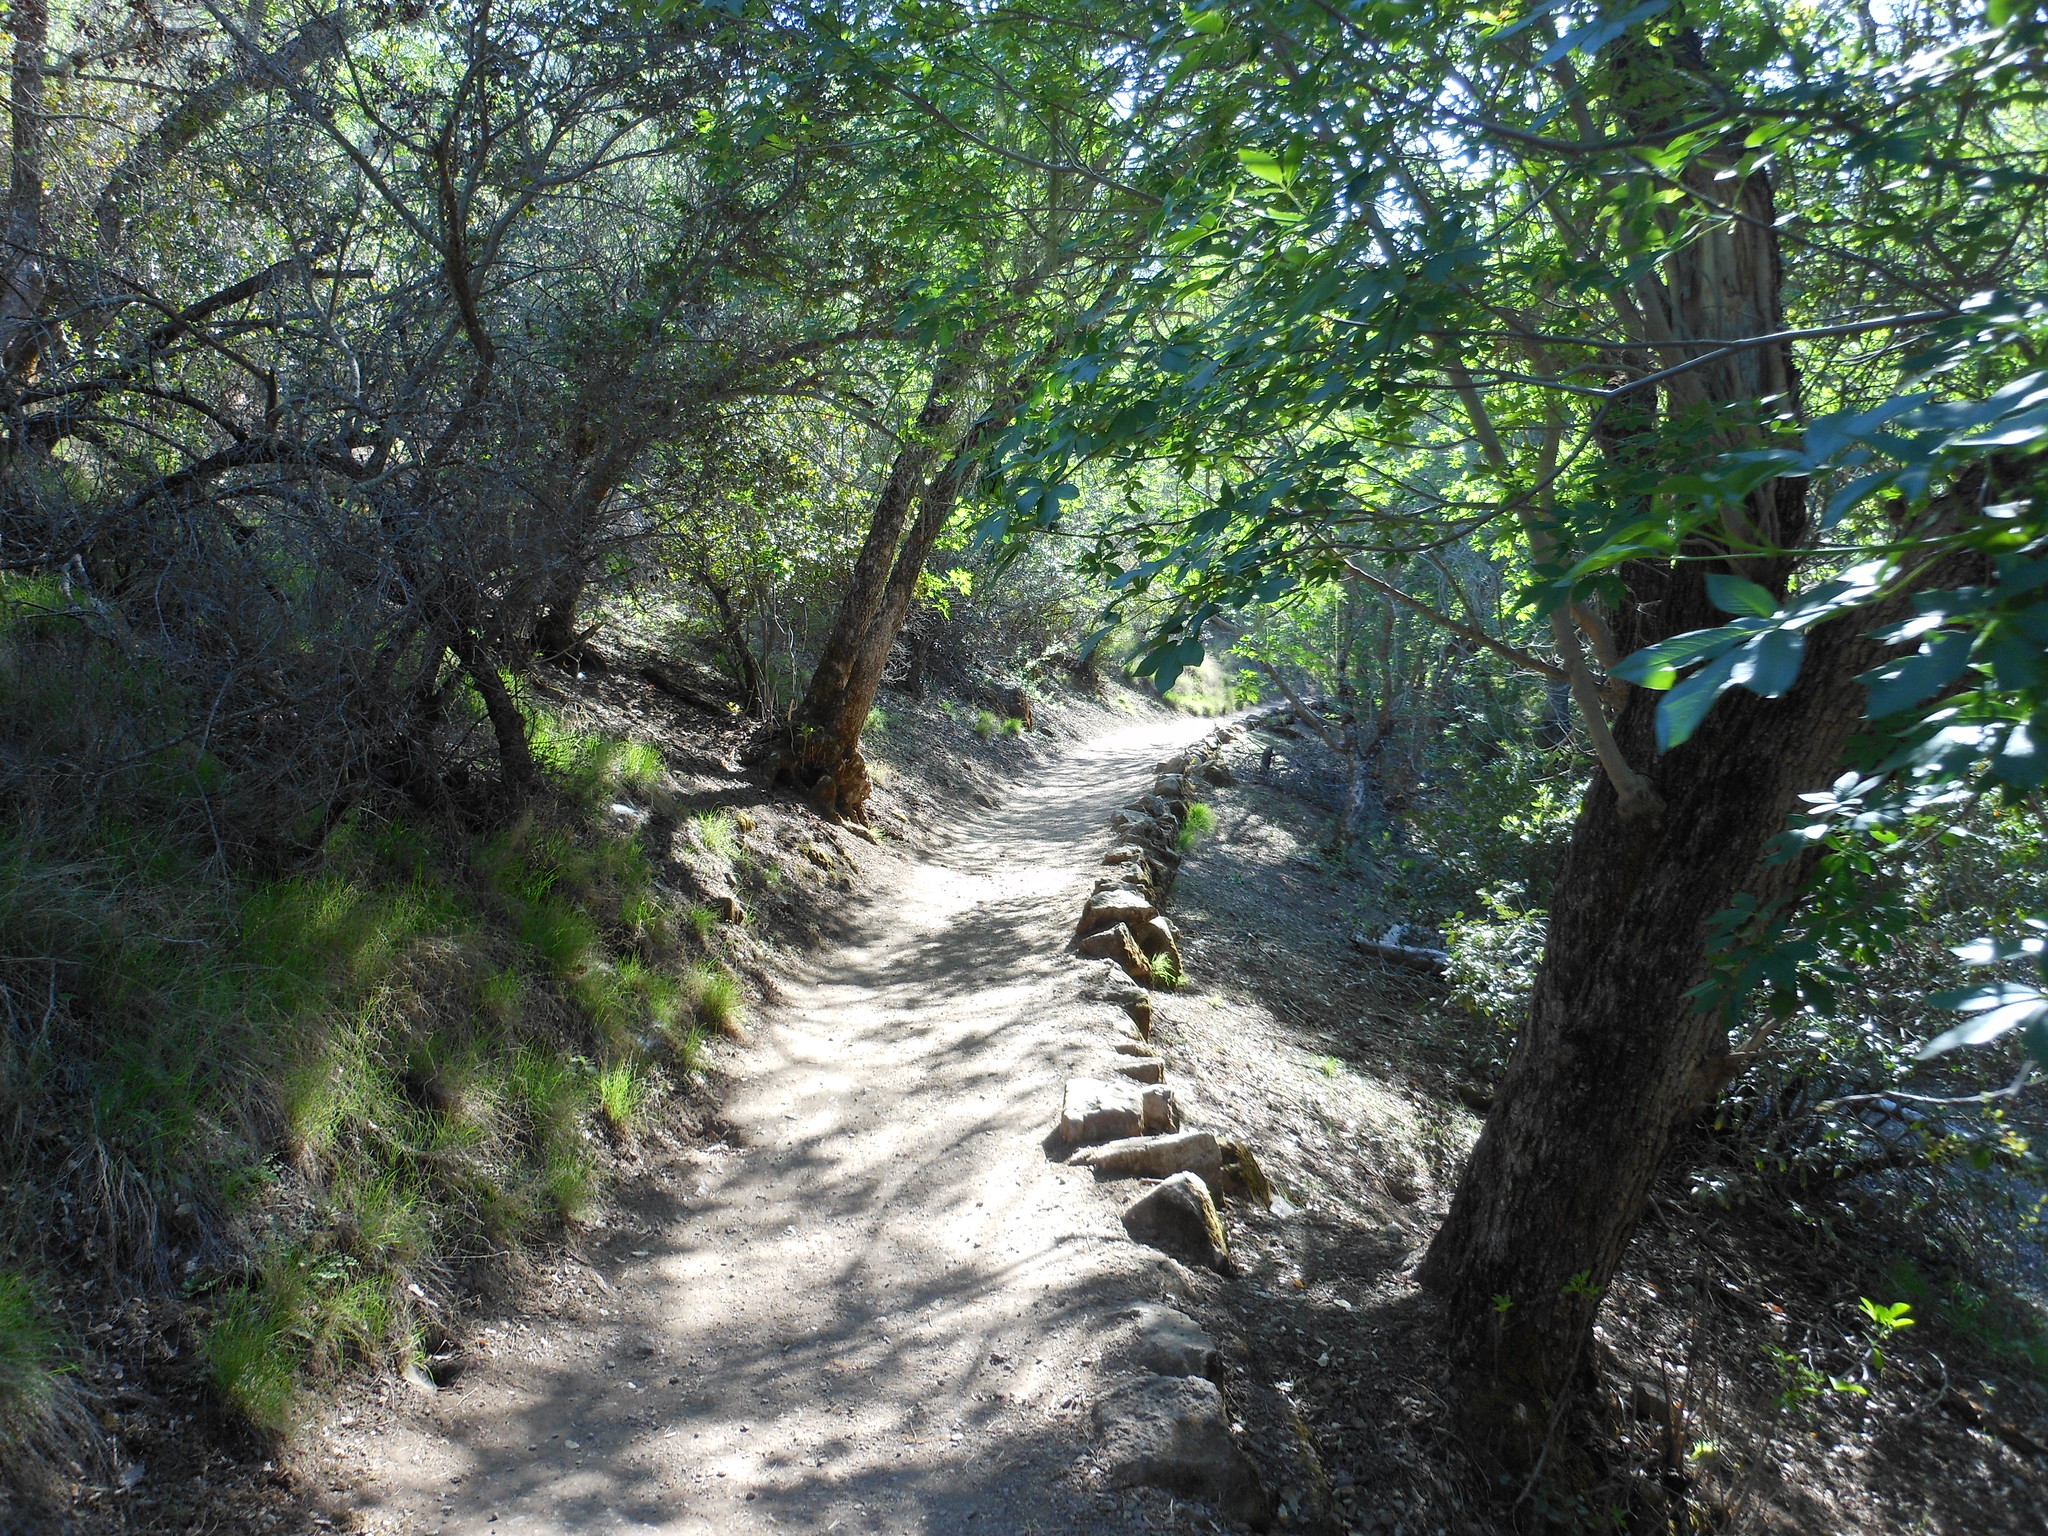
(1616, 1057)
(844, 788)
(825, 735)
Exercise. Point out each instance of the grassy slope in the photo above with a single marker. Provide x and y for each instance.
(300, 1102)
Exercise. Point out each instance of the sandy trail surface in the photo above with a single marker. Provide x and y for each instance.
(879, 1306)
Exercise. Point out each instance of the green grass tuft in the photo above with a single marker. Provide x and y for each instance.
(715, 833)
(1201, 821)
(703, 921)
(29, 1363)
(715, 998)
(622, 1092)
(986, 724)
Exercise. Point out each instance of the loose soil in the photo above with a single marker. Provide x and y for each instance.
(875, 1305)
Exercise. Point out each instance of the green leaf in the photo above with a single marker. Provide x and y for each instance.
(1596, 35)
(1769, 664)
(1658, 666)
(1207, 22)
(1903, 683)
(2026, 1008)
(1738, 594)
(1276, 169)
(1685, 706)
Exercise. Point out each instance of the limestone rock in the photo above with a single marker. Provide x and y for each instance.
(1125, 853)
(1135, 1048)
(1219, 774)
(1171, 786)
(1140, 1010)
(1156, 1157)
(1178, 1216)
(728, 908)
(1101, 1109)
(1162, 1112)
(1143, 1069)
(1119, 904)
(1155, 806)
(1118, 945)
(1171, 1343)
(1173, 1432)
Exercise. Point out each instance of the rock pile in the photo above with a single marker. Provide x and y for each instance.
(1168, 1427)
(1121, 920)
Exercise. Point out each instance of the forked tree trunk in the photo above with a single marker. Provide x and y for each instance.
(842, 785)
(825, 734)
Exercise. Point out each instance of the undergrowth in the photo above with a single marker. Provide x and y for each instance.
(301, 1094)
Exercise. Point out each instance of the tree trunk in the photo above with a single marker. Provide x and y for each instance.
(508, 726)
(826, 729)
(1615, 1058)
(23, 274)
(837, 732)
(732, 634)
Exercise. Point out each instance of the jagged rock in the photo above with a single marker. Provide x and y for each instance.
(1102, 1109)
(1170, 786)
(1171, 1343)
(1135, 1048)
(1138, 875)
(1243, 1178)
(1173, 1432)
(1117, 944)
(1175, 764)
(1140, 1010)
(1156, 807)
(1125, 853)
(1162, 1110)
(1155, 936)
(1178, 1216)
(1156, 1157)
(1135, 823)
(1219, 774)
(1143, 1069)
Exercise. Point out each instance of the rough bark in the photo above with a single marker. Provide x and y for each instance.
(1615, 1057)
(821, 747)
(23, 262)
(843, 786)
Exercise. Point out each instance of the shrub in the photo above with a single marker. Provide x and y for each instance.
(1494, 957)
(1200, 823)
(877, 722)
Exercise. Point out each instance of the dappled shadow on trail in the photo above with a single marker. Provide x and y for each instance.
(875, 1309)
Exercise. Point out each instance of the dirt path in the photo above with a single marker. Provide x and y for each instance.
(879, 1311)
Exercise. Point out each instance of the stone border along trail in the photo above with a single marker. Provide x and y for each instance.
(885, 1305)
